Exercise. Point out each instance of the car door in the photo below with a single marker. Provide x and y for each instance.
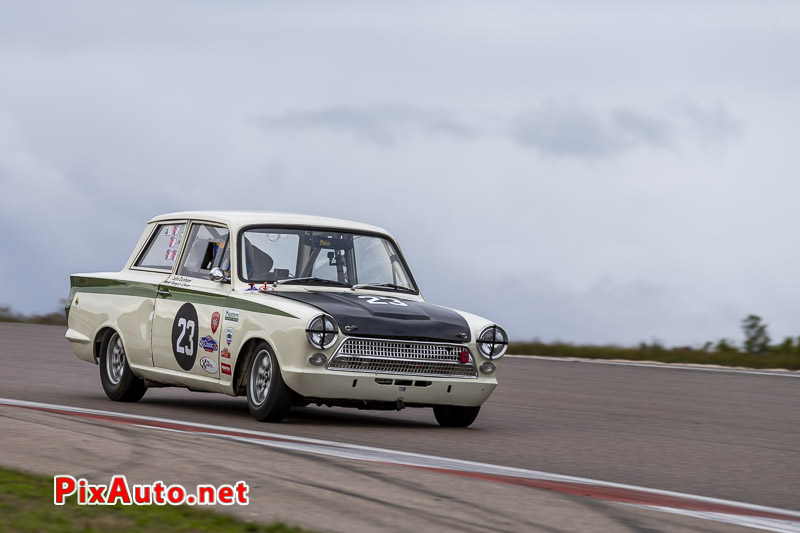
(187, 322)
(136, 288)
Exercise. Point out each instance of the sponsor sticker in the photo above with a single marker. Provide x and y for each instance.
(225, 353)
(214, 322)
(226, 368)
(208, 364)
(208, 343)
(231, 315)
(229, 335)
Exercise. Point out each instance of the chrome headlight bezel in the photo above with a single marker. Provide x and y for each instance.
(492, 342)
(322, 332)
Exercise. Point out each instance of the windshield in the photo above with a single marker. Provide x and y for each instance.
(321, 257)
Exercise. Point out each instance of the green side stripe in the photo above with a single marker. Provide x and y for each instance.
(149, 290)
(182, 294)
(113, 286)
(244, 305)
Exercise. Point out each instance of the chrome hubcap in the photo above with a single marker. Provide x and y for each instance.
(115, 359)
(260, 377)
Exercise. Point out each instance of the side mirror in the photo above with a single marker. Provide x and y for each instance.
(218, 275)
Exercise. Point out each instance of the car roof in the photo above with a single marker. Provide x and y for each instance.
(237, 219)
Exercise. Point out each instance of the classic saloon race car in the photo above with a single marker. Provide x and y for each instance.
(285, 309)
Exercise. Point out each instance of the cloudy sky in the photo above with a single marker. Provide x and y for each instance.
(610, 171)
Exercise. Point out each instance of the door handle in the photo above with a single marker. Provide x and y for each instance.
(163, 292)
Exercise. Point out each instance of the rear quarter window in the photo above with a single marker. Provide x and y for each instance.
(162, 250)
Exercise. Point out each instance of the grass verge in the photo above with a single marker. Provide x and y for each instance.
(772, 359)
(26, 505)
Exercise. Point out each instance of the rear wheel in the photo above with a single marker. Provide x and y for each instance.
(118, 380)
(455, 416)
(268, 397)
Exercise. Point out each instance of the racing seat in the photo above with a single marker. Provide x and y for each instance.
(259, 263)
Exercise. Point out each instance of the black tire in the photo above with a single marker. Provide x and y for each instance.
(268, 397)
(455, 416)
(118, 380)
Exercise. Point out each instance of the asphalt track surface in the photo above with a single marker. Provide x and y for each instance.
(728, 435)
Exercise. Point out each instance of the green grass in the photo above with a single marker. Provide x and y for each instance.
(26, 505)
(774, 358)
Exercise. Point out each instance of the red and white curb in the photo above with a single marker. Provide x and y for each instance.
(742, 514)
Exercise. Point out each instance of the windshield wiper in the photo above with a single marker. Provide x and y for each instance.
(382, 285)
(311, 280)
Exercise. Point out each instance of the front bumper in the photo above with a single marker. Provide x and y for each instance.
(323, 384)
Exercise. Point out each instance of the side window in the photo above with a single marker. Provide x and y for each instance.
(162, 249)
(371, 254)
(206, 248)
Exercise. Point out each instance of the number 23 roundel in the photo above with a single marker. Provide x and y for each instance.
(184, 336)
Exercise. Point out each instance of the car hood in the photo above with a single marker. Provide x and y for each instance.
(369, 315)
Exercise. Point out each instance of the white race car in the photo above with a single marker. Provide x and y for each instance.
(285, 309)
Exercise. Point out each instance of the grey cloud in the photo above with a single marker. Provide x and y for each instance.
(712, 124)
(555, 128)
(643, 128)
(567, 130)
(380, 124)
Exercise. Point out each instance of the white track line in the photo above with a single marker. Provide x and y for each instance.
(750, 515)
(673, 366)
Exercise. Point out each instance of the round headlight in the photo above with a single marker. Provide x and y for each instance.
(322, 332)
(493, 342)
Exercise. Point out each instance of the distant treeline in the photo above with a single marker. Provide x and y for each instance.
(756, 351)
(56, 318)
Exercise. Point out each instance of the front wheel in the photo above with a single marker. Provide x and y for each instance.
(455, 416)
(118, 380)
(268, 397)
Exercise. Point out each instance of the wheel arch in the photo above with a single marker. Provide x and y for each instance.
(99, 339)
(243, 363)
(243, 360)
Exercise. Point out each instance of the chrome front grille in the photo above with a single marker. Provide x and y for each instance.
(403, 357)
